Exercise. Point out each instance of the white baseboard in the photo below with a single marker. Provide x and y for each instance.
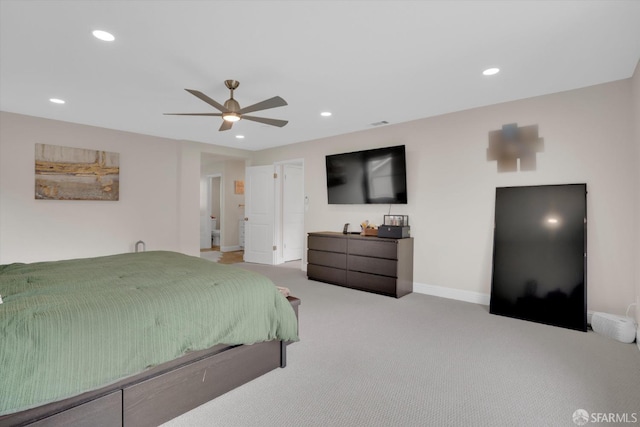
(457, 294)
(440, 291)
(230, 248)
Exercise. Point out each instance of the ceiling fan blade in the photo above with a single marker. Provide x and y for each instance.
(206, 99)
(192, 114)
(272, 122)
(274, 102)
(225, 125)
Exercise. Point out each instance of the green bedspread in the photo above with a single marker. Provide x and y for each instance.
(67, 327)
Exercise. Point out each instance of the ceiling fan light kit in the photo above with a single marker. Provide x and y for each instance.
(231, 111)
(231, 117)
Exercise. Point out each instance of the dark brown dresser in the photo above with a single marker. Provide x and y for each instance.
(373, 264)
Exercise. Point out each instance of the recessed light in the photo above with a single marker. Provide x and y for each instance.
(325, 114)
(57, 101)
(491, 71)
(240, 136)
(103, 35)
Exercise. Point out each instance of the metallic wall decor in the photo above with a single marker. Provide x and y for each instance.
(65, 173)
(513, 143)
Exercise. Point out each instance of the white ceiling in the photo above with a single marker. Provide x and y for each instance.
(365, 61)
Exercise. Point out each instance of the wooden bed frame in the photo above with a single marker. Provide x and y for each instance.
(164, 392)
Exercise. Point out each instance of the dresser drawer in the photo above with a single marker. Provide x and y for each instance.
(329, 244)
(327, 274)
(328, 259)
(374, 247)
(384, 267)
(372, 283)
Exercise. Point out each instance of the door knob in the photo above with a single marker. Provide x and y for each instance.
(246, 219)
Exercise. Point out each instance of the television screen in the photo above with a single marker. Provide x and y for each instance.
(370, 176)
(539, 254)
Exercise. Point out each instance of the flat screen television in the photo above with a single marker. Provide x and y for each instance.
(377, 176)
(539, 254)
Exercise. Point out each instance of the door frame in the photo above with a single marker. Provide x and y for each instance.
(278, 230)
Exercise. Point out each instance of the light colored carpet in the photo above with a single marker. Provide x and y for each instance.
(370, 360)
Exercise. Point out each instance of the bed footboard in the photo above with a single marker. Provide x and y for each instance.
(104, 411)
(163, 393)
(166, 396)
(162, 396)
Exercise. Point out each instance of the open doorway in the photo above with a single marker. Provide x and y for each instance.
(221, 206)
(210, 216)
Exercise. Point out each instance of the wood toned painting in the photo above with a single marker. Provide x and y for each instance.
(66, 173)
(239, 187)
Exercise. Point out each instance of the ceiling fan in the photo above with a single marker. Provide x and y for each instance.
(231, 111)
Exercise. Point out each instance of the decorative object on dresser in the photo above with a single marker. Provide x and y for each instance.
(395, 226)
(368, 229)
(383, 266)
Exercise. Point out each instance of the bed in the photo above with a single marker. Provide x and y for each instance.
(133, 339)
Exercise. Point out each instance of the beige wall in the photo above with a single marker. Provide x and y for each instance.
(159, 194)
(215, 198)
(37, 230)
(636, 120)
(588, 136)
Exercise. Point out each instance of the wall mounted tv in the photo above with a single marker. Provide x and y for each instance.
(367, 177)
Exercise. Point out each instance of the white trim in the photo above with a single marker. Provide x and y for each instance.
(230, 248)
(277, 213)
(278, 232)
(298, 161)
(451, 293)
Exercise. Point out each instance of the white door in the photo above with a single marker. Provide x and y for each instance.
(292, 212)
(259, 215)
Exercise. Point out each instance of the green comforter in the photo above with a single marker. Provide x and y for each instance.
(67, 327)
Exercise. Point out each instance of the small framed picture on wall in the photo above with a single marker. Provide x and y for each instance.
(238, 187)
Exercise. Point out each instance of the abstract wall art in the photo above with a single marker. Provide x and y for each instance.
(514, 147)
(66, 173)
